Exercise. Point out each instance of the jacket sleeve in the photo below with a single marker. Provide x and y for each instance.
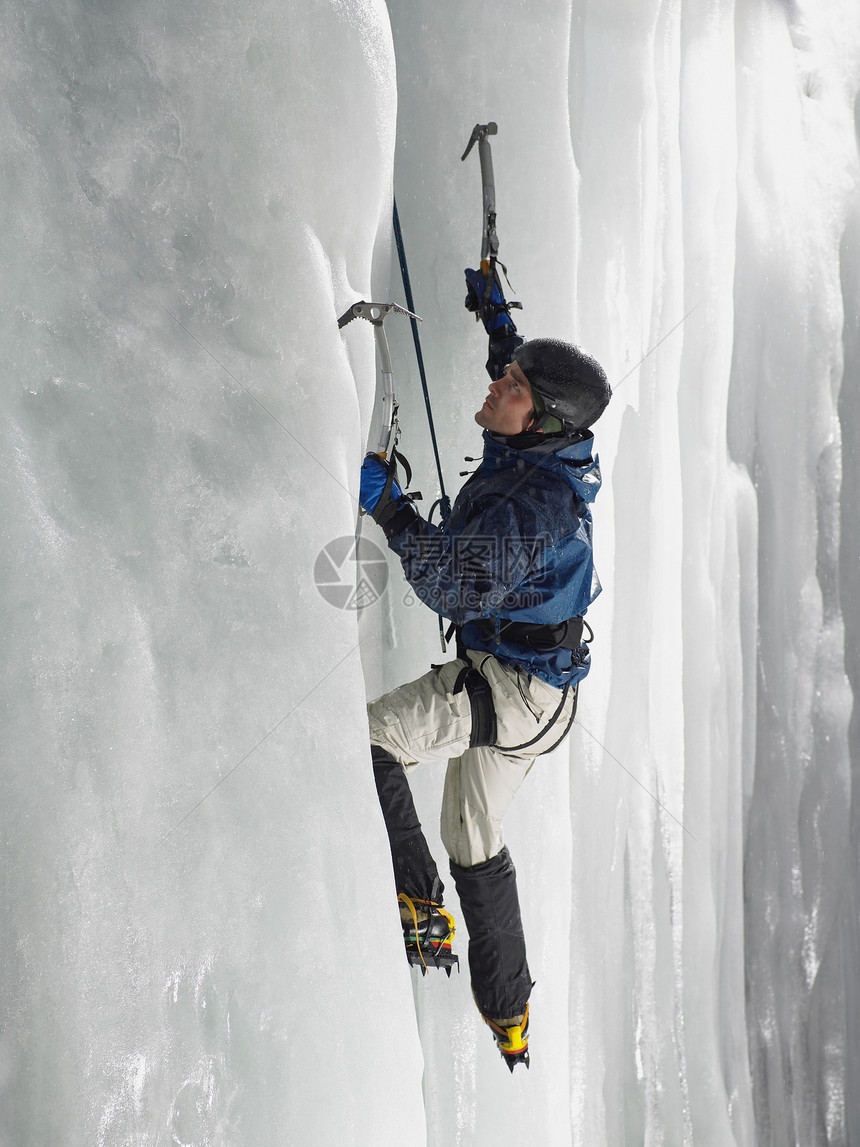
(498, 324)
(468, 572)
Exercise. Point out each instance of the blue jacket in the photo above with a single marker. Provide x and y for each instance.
(516, 546)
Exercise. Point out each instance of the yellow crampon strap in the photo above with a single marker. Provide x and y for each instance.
(410, 904)
(449, 918)
(513, 1038)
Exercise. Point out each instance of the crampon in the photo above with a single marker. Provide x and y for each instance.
(428, 941)
(512, 1040)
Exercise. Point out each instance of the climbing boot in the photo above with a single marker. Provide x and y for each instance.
(512, 1038)
(428, 931)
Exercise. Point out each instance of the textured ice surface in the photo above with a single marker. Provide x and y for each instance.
(198, 943)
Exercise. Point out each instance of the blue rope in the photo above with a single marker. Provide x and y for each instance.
(443, 503)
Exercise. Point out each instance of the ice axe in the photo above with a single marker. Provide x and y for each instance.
(489, 237)
(376, 314)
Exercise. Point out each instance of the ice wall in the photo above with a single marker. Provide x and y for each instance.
(798, 187)
(715, 177)
(198, 943)
(719, 179)
(193, 862)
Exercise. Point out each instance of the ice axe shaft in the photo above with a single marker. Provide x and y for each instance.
(489, 239)
(376, 314)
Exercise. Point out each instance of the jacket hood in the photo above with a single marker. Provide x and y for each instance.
(571, 459)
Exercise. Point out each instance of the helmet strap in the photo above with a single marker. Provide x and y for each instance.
(543, 420)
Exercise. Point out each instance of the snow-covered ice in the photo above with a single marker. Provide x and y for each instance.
(199, 944)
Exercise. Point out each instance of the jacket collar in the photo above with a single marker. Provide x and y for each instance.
(575, 448)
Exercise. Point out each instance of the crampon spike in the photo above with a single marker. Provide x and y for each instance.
(513, 1060)
(427, 959)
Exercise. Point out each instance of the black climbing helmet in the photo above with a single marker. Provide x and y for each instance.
(571, 385)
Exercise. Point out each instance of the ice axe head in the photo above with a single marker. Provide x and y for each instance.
(479, 133)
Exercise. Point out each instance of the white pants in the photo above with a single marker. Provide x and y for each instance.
(425, 721)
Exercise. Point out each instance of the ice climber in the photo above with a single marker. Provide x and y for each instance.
(513, 569)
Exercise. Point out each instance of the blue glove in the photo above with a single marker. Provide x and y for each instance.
(498, 316)
(374, 475)
(389, 507)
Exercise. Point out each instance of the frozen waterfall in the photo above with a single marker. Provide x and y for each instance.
(199, 942)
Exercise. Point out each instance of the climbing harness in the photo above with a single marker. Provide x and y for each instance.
(483, 709)
(542, 638)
